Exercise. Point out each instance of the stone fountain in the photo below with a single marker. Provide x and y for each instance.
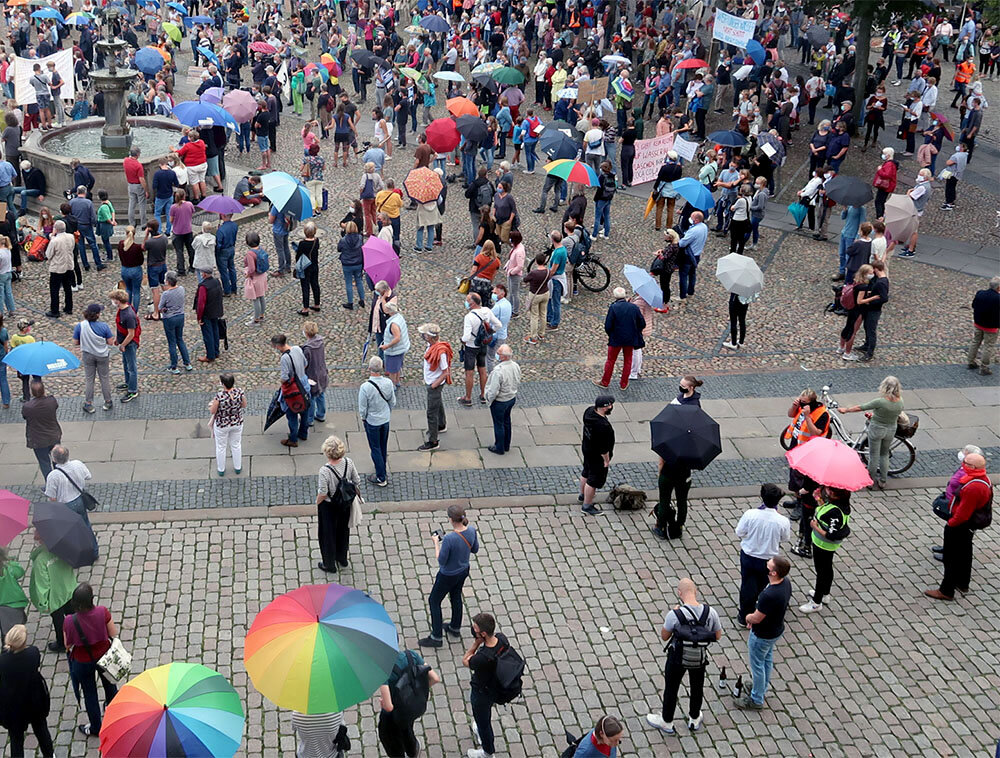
(113, 83)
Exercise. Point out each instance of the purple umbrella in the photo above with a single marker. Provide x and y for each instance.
(221, 204)
(381, 261)
(212, 95)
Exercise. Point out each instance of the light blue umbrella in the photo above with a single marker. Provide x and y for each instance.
(212, 95)
(756, 52)
(149, 61)
(194, 113)
(178, 7)
(287, 194)
(154, 3)
(41, 358)
(644, 285)
(695, 193)
(209, 55)
(49, 13)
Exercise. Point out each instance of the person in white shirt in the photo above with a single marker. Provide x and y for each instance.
(475, 355)
(761, 531)
(65, 484)
(593, 142)
(928, 99)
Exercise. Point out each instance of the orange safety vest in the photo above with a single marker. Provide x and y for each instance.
(923, 46)
(574, 20)
(963, 74)
(797, 429)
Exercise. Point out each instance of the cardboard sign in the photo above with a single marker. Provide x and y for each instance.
(591, 90)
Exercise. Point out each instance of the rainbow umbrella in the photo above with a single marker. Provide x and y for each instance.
(623, 88)
(312, 68)
(573, 171)
(13, 515)
(330, 64)
(320, 649)
(180, 709)
(80, 18)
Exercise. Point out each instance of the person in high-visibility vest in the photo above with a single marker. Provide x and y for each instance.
(829, 530)
(963, 76)
(810, 419)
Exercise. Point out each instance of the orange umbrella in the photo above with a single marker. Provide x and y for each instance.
(423, 184)
(15, 3)
(462, 106)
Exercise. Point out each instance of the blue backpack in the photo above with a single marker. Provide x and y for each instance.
(263, 262)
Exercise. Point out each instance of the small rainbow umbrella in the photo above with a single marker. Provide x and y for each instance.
(330, 64)
(312, 68)
(573, 171)
(180, 709)
(320, 649)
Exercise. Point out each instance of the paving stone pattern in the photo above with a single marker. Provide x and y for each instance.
(582, 599)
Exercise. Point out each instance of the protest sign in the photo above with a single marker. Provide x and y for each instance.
(733, 30)
(649, 156)
(24, 92)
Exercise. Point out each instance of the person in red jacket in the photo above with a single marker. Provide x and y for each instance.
(975, 492)
(885, 180)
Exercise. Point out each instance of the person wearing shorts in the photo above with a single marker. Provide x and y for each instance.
(155, 247)
(598, 447)
(194, 155)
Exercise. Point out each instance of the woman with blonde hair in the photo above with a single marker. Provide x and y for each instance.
(130, 254)
(850, 330)
(24, 695)
(882, 429)
(339, 484)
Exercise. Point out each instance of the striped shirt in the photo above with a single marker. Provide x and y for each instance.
(316, 734)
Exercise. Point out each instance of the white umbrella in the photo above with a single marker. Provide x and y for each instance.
(615, 59)
(900, 217)
(742, 72)
(449, 76)
(567, 92)
(740, 274)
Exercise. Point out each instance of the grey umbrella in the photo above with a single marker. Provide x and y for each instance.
(818, 35)
(64, 533)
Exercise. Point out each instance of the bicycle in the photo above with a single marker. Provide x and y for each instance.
(902, 452)
(592, 274)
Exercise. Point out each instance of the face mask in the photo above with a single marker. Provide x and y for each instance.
(494, 297)
(870, 277)
(608, 411)
(961, 456)
(468, 305)
(827, 175)
(682, 388)
(934, 123)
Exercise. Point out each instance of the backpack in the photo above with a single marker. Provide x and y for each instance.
(411, 691)
(368, 191)
(263, 261)
(848, 298)
(983, 516)
(310, 91)
(509, 674)
(533, 127)
(484, 334)
(484, 195)
(345, 491)
(691, 638)
(585, 242)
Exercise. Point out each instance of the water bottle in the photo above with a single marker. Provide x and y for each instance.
(738, 687)
(723, 684)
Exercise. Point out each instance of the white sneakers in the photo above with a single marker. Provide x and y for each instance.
(811, 607)
(851, 357)
(695, 724)
(656, 720)
(477, 752)
(730, 346)
(840, 350)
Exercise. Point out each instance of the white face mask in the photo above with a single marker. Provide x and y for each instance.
(961, 456)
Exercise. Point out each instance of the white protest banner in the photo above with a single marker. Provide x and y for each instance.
(649, 156)
(733, 30)
(24, 93)
(685, 149)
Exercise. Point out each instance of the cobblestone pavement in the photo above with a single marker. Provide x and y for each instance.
(874, 674)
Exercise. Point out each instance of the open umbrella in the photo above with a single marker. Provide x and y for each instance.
(240, 105)
(616, 59)
(692, 63)
(830, 462)
(368, 59)
(173, 31)
(154, 3)
(742, 72)
(410, 73)
(943, 120)
(728, 138)
(818, 35)
(13, 515)
(623, 88)
(212, 95)
(197, 114)
(508, 75)
(685, 435)
(756, 52)
(848, 190)
(414, 29)
(442, 135)
(381, 261)
(49, 13)
(555, 144)
(179, 7)
(262, 47)
(423, 184)
(900, 218)
(209, 55)
(644, 285)
(312, 68)
(695, 193)
(573, 171)
(462, 106)
(149, 61)
(435, 24)
(472, 128)
(449, 76)
(180, 709)
(566, 128)
(567, 93)
(80, 18)
(739, 274)
(485, 80)
(487, 68)
(41, 358)
(221, 204)
(287, 194)
(192, 20)
(64, 533)
(320, 649)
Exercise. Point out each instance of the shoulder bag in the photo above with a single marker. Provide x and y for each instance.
(116, 663)
(89, 501)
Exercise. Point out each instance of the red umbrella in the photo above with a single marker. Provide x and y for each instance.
(442, 135)
(262, 47)
(462, 106)
(692, 63)
(830, 462)
(13, 515)
(423, 184)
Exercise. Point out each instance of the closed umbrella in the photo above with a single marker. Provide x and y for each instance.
(830, 462)
(728, 138)
(13, 515)
(756, 52)
(449, 76)
(240, 104)
(381, 261)
(287, 194)
(644, 285)
(472, 128)
(423, 184)
(685, 435)
(848, 190)
(41, 358)
(442, 135)
(462, 106)
(64, 533)
(555, 144)
(739, 274)
(274, 411)
(149, 61)
(434, 24)
(577, 172)
(695, 193)
(900, 218)
(221, 204)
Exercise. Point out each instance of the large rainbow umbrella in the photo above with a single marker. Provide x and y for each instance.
(180, 709)
(320, 649)
(573, 171)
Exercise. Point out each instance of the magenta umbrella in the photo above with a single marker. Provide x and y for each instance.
(381, 261)
(221, 204)
(13, 515)
(240, 104)
(212, 95)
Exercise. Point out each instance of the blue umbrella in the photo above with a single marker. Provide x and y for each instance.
(41, 358)
(728, 138)
(190, 21)
(194, 113)
(209, 55)
(555, 144)
(644, 285)
(695, 193)
(49, 13)
(287, 194)
(756, 52)
(178, 7)
(154, 3)
(434, 24)
(149, 61)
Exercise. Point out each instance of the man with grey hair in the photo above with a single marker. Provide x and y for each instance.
(138, 190)
(60, 255)
(985, 322)
(376, 399)
(65, 484)
(82, 209)
(501, 394)
(623, 324)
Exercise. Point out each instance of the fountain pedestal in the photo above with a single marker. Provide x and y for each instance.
(113, 83)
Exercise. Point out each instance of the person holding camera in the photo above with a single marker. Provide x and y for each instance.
(453, 551)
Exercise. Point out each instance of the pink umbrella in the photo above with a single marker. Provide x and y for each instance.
(262, 47)
(830, 462)
(240, 104)
(13, 515)
(212, 95)
(381, 261)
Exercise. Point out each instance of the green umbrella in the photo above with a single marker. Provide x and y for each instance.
(508, 75)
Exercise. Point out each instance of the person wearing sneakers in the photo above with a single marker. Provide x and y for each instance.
(94, 337)
(473, 347)
(954, 169)
(683, 622)
(624, 326)
(598, 447)
(829, 529)
(437, 373)
(766, 625)
(481, 659)
(376, 399)
(986, 323)
(453, 551)
(292, 365)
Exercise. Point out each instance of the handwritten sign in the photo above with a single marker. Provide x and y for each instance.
(733, 30)
(649, 156)
(685, 149)
(592, 90)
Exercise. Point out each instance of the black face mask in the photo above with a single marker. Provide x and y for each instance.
(682, 388)
(608, 411)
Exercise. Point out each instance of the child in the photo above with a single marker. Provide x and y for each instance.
(4, 347)
(23, 337)
(106, 222)
(517, 139)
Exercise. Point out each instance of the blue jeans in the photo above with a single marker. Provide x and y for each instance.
(450, 586)
(86, 675)
(844, 244)
(553, 313)
(469, 167)
(283, 251)
(132, 276)
(755, 228)
(25, 194)
(378, 443)
(529, 154)
(420, 238)
(106, 230)
(687, 273)
(210, 334)
(87, 238)
(487, 154)
(7, 293)
(225, 259)
(500, 411)
(298, 424)
(4, 385)
(611, 151)
(440, 163)
(161, 212)
(243, 138)
(317, 408)
(761, 663)
(602, 215)
(173, 327)
(130, 367)
(355, 275)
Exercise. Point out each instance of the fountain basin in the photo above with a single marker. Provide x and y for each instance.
(52, 152)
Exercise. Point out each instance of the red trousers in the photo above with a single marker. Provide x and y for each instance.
(609, 365)
(368, 204)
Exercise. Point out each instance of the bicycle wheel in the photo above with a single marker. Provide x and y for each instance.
(594, 276)
(902, 454)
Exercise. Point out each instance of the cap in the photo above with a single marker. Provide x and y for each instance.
(93, 308)
(430, 329)
(603, 401)
(24, 322)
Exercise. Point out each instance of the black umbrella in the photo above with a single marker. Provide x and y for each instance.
(557, 145)
(848, 190)
(472, 128)
(685, 435)
(368, 59)
(487, 81)
(274, 411)
(566, 128)
(817, 35)
(64, 533)
(434, 24)
(728, 138)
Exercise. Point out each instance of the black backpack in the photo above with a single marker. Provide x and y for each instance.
(484, 195)
(345, 491)
(509, 673)
(411, 690)
(484, 333)
(691, 637)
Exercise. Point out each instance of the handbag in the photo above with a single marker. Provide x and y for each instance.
(942, 506)
(89, 501)
(464, 285)
(116, 662)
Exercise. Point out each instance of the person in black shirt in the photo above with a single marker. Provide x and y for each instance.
(766, 625)
(871, 302)
(481, 659)
(598, 447)
(629, 137)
